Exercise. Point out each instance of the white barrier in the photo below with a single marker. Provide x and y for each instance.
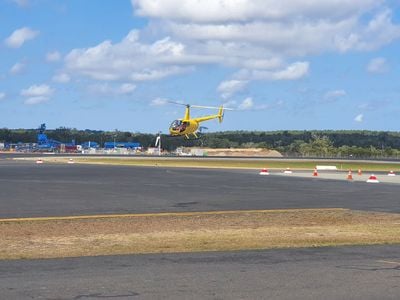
(331, 168)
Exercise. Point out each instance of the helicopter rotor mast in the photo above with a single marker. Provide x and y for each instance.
(187, 111)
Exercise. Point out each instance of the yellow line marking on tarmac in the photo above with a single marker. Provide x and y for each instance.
(389, 262)
(166, 214)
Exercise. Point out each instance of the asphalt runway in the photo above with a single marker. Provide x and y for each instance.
(31, 190)
(28, 189)
(318, 273)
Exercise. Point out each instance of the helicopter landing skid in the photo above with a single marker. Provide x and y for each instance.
(187, 137)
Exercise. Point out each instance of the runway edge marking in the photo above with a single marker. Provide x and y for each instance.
(389, 262)
(166, 214)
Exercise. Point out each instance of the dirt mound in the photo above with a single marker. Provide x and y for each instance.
(242, 152)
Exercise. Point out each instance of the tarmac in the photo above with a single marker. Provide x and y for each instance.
(31, 190)
(316, 273)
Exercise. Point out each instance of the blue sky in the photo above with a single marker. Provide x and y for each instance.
(292, 64)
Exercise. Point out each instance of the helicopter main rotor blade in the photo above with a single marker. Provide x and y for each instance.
(210, 107)
(179, 103)
(199, 106)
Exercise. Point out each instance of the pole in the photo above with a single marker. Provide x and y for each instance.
(159, 144)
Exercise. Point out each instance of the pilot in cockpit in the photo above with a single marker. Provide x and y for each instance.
(178, 125)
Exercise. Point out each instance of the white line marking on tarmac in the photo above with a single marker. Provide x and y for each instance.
(389, 262)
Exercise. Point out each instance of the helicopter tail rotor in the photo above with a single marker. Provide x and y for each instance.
(221, 113)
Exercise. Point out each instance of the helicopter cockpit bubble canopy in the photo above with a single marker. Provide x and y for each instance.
(175, 125)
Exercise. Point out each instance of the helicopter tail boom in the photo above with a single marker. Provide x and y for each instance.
(218, 116)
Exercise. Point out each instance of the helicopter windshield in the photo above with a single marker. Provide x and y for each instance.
(176, 125)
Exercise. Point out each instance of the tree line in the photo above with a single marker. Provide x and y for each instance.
(324, 143)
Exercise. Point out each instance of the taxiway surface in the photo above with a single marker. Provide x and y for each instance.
(31, 190)
(318, 273)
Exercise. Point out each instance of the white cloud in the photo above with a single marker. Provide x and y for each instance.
(276, 105)
(36, 100)
(264, 39)
(129, 59)
(334, 94)
(133, 60)
(374, 105)
(36, 94)
(61, 78)
(156, 74)
(246, 104)
(22, 3)
(2, 96)
(211, 11)
(53, 56)
(103, 88)
(38, 90)
(107, 89)
(126, 88)
(293, 71)
(329, 25)
(159, 102)
(17, 68)
(359, 118)
(20, 36)
(230, 104)
(230, 87)
(379, 31)
(377, 65)
(273, 38)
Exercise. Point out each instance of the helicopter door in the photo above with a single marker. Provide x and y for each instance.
(184, 126)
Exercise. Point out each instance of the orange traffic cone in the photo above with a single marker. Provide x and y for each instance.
(359, 172)
(315, 172)
(350, 175)
(264, 172)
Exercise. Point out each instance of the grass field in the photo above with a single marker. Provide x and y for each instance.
(190, 232)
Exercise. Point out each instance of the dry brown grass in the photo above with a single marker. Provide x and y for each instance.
(195, 232)
(193, 162)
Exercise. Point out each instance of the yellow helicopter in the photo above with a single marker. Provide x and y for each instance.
(187, 126)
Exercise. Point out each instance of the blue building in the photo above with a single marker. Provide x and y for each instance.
(87, 145)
